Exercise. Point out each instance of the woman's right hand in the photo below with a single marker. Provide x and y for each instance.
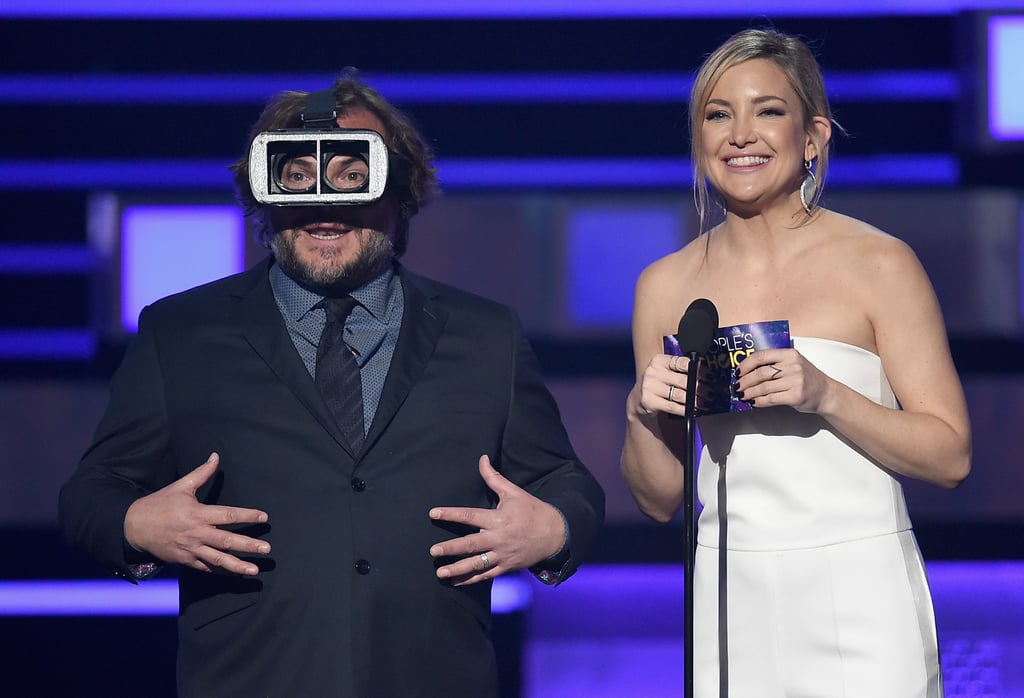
(650, 463)
(663, 386)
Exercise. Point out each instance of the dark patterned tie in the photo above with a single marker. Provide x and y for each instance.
(337, 372)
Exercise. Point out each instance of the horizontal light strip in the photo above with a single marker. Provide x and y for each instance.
(971, 583)
(99, 174)
(556, 173)
(434, 88)
(88, 598)
(466, 173)
(473, 9)
(904, 170)
(625, 173)
(159, 597)
(45, 259)
(73, 343)
(893, 85)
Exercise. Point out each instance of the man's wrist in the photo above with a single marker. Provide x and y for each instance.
(552, 569)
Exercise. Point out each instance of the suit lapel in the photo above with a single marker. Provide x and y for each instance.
(260, 323)
(422, 323)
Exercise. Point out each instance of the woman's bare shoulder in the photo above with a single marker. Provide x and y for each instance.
(664, 288)
(675, 268)
(859, 243)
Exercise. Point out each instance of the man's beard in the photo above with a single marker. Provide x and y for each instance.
(324, 276)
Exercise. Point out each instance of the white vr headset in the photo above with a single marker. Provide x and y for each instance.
(337, 166)
(322, 163)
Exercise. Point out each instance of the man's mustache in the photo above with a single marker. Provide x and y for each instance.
(304, 216)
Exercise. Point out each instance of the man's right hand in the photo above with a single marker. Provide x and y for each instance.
(173, 526)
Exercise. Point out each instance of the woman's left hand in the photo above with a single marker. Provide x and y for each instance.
(773, 377)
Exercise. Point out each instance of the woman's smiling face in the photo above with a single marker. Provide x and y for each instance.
(754, 139)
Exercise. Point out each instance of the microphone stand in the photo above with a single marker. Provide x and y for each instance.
(689, 518)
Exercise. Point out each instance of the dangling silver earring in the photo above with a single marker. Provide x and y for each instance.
(808, 188)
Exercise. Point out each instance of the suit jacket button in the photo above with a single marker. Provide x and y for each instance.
(362, 566)
(358, 484)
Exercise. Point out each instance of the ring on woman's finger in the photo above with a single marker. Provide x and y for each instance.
(485, 560)
(670, 389)
(777, 372)
(675, 364)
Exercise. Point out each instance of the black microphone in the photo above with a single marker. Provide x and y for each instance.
(696, 331)
(697, 327)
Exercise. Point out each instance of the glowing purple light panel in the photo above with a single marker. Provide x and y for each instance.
(608, 247)
(936, 169)
(159, 597)
(167, 249)
(442, 88)
(88, 598)
(33, 343)
(1005, 84)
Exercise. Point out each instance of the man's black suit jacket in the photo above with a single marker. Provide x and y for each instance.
(347, 603)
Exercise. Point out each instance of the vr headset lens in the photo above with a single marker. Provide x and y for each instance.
(294, 174)
(304, 167)
(344, 170)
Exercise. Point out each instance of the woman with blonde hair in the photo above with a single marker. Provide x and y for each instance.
(825, 590)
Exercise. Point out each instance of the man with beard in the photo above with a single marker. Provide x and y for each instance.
(313, 559)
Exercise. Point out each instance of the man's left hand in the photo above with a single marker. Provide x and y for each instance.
(520, 532)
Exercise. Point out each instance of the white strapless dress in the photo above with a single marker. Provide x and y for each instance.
(827, 594)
